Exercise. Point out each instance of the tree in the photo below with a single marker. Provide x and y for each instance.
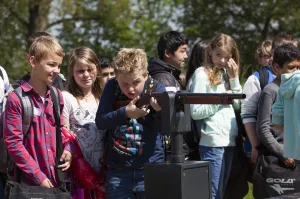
(20, 18)
(119, 24)
(104, 26)
(248, 22)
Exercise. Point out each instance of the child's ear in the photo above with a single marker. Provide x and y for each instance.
(146, 74)
(167, 54)
(32, 61)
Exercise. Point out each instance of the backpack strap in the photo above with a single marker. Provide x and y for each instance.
(58, 83)
(59, 146)
(55, 95)
(150, 85)
(27, 109)
(263, 77)
(27, 117)
(56, 109)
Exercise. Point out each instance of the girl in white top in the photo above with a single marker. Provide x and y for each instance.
(219, 74)
(81, 104)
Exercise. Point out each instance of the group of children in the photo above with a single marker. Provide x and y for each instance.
(108, 137)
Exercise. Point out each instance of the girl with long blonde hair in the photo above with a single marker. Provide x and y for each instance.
(219, 74)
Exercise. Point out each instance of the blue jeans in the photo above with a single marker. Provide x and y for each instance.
(221, 160)
(125, 184)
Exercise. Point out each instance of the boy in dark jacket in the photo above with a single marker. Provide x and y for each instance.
(166, 69)
(172, 54)
(134, 137)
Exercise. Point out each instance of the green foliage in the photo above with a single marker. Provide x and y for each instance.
(151, 19)
(13, 25)
(104, 26)
(107, 26)
(116, 24)
(249, 22)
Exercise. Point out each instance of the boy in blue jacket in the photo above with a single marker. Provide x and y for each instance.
(285, 112)
(134, 137)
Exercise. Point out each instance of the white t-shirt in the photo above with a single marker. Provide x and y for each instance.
(4, 84)
(82, 123)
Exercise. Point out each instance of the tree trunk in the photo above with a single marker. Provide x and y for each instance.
(38, 15)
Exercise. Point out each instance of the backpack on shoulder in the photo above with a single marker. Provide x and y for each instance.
(27, 117)
(263, 77)
(27, 110)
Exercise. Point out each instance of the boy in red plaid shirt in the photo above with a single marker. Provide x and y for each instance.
(36, 154)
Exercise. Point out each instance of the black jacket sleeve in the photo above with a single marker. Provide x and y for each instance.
(168, 80)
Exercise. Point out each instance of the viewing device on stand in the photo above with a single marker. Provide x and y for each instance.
(180, 179)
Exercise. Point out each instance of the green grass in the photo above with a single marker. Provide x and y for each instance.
(249, 195)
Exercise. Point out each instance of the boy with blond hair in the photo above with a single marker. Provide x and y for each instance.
(34, 151)
(134, 137)
(60, 82)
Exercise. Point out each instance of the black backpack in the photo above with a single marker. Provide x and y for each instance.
(27, 117)
(263, 81)
(263, 77)
(60, 83)
(272, 179)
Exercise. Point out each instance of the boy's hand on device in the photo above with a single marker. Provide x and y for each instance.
(154, 104)
(46, 183)
(132, 111)
(232, 69)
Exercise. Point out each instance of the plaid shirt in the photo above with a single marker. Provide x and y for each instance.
(35, 156)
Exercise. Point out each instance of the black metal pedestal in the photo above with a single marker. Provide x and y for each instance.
(179, 179)
(189, 180)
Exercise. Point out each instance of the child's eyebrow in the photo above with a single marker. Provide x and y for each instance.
(55, 63)
(52, 61)
(295, 62)
(137, 79)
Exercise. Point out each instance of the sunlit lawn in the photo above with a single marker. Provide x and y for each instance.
(249, 195)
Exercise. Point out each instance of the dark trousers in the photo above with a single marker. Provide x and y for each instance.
(3, 179)
(237, 184)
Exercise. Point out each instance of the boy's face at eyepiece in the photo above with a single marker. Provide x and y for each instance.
(132, 84)
(106, 73)
(47, 68)
(289, 67)
(178, 58)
